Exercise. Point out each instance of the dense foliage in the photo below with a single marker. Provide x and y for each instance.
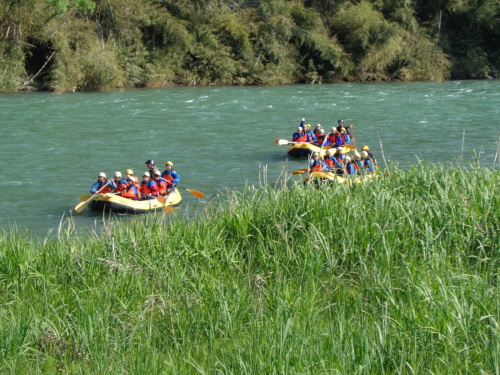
(92, 44)
(397, 276)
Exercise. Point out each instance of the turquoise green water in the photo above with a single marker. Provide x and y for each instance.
(53, 146)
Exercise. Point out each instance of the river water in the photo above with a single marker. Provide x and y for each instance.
(54, 145)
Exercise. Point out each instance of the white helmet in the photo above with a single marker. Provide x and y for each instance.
(118, 174)
(102, 174)
(145, 174)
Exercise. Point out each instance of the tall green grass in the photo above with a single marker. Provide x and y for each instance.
(395, 276)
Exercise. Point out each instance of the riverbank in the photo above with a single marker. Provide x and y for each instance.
(65, 46)
(399, 275)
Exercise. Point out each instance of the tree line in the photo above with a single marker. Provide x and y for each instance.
(69, 45)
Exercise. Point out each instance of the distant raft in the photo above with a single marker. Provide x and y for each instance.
(110, 202)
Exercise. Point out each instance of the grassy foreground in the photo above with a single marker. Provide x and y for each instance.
(396, 276)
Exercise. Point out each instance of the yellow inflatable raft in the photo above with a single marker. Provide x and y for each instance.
(115, 203)
(338, 179)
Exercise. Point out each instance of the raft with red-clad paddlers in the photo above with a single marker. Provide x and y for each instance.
(329, 158)
(157, 191)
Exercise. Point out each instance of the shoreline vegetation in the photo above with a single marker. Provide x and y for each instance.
(395, 276)
(79, 45)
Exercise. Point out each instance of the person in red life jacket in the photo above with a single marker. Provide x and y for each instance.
(120, 183)
(151, 166)
(366, 162)
(161, 183)
(170, 176)
(309, 133)
(132, 191)
(130, 172)
(339, 160)
(102, 185)
(346, 138)
(317, 129)
(148, 188)
(334, 140)
(358, 163)
(328, 160)
(299, 136)
(316, 164)
(370, 156)
(321, 139)
(349, 165)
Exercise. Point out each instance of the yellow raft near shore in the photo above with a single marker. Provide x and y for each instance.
(338, 179)
(110, 202)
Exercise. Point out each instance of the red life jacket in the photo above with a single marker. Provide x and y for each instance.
(120, 187)
(149, 187)
(339, 159)
(329, 161)
(168, 177)
(130, 193)
(331, 138)
(105, 189)
(321, 139)
(317, 167)
(302, 138)
(162, 187)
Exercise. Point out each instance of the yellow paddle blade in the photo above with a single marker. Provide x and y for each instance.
(349, 146)
(168, 209)
(80, 206)
(161, 199)
(196, 193)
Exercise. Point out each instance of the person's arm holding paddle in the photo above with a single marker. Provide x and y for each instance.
(102, 185)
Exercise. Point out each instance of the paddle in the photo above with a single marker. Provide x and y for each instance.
(297, 172)
(196, 193)
(284, 142)
(80, 206)
(163, 199)
(353, 137)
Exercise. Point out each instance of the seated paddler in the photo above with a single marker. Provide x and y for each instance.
(170, 176)
(120, 182)
(316, 164)
(161, 183)
(149, 189)
(132, 190)
(102, 185)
